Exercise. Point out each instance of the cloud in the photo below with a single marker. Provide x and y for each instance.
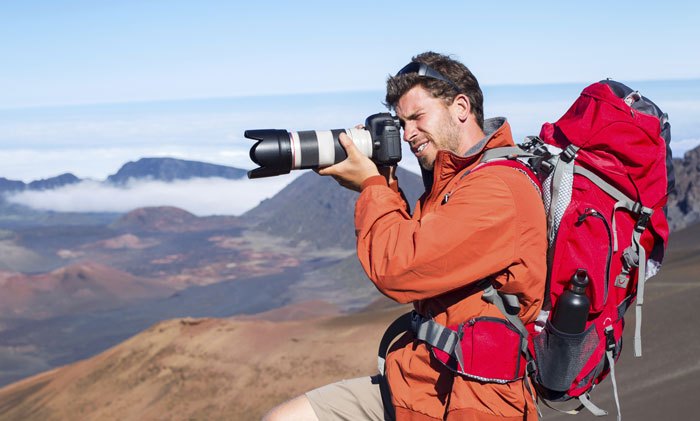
(202, 196)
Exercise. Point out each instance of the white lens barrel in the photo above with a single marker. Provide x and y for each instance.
(321, 148)
(326, 148)
(362, 139)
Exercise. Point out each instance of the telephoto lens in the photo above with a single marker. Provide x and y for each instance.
(280, 151)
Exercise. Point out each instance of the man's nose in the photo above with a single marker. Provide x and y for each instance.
(409, 131)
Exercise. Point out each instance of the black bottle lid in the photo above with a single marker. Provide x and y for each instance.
(579, 281)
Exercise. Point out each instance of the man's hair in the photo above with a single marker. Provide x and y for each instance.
(458, 73)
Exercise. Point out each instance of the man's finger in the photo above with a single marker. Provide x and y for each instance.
(347, 144)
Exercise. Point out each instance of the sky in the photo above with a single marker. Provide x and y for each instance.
(86, 86)
(57, 52)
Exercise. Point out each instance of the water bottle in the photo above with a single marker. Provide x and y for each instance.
(571, 310)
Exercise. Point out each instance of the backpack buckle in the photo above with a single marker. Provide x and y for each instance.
(416, 320)
(568, 154)
(610, 339)
(644, 217)
(531, 367)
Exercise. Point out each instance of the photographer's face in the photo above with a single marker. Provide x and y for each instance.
(429, 125)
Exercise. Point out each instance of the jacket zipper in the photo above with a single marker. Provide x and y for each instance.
(594, 213)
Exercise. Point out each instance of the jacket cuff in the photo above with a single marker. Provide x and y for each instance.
(375, 180)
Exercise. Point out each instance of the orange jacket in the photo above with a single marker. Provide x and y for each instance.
(492, 225)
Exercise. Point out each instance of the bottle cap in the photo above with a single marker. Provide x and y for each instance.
(580, 278)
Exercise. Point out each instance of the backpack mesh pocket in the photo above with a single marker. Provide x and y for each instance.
(561, 356)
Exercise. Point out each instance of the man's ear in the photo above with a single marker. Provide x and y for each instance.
(462, 107)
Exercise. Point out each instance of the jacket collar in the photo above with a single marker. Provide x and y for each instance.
(447, 164)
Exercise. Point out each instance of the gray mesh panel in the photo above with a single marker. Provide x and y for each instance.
(560, 356)
(547, 192)
(558, 208)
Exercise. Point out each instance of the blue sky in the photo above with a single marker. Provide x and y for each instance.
(86, 86)
(73, 51)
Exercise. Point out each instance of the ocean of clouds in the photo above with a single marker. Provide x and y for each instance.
(201, 196)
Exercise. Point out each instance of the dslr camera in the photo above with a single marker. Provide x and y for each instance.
(280, 151)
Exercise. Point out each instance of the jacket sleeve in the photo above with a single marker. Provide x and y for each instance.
(462, 241)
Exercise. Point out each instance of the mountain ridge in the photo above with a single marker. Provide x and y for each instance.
(171, 169)
(149, 168)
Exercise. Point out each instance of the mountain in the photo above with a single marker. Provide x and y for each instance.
(161, 169)
(684, 202)
(73, 289)
(62, 180)
(317, 211)
(54, 182)
(238, 368)
(172, 220)
(170, 169)
(294, 251)
(7, 185)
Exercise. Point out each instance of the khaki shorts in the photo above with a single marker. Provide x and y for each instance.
(354, 399)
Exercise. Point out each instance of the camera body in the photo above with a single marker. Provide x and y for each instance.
(279, 151)
(385, 132)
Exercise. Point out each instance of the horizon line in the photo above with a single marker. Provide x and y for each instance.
(292, 94)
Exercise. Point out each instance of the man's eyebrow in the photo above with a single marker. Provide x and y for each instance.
(413, 115)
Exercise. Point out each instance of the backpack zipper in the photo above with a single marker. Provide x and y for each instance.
(594, 213)
(509, 325)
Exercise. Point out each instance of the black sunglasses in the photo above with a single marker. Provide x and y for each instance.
(423, 69)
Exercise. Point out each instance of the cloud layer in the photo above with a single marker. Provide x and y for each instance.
(202, 196)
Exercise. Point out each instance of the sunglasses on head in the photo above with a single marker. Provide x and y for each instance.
(423, 69)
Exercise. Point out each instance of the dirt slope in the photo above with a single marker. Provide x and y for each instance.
(202, 369)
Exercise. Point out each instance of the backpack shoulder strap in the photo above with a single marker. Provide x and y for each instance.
(509, 156)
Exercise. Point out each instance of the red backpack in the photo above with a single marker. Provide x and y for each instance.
(605, 172)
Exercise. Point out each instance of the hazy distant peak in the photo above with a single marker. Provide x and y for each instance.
(54, 182)
(7, 185)
(170, 169)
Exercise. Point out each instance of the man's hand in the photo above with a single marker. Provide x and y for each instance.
(354, 170)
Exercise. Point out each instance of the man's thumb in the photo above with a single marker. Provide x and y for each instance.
(347, 144)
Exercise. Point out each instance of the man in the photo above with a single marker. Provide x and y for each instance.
(472, 227)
